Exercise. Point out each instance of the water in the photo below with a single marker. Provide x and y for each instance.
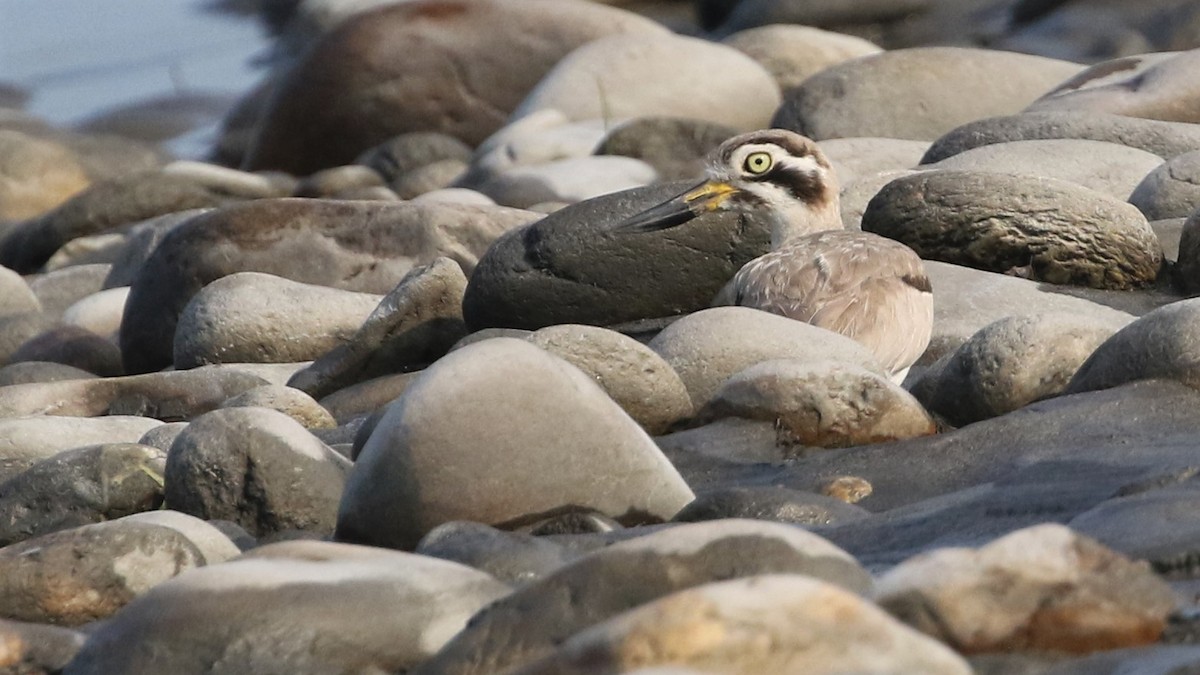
(79, 57)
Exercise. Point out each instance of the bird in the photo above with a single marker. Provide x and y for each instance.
(869, 288)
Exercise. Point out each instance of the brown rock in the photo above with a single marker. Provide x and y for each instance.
(1041, 588)
(1042, 229)
(35, 175)
(822, 404)
(432, 65)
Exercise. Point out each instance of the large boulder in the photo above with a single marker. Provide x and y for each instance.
(431, 65)
(1044, 229)
(502, 432)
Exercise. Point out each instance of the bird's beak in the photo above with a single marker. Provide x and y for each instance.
(705, 197)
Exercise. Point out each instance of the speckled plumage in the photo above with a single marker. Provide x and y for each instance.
(869, 288)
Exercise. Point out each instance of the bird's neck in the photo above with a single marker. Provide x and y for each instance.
(800, 220)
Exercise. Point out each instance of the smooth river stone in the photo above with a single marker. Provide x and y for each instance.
(786, 623)
(1110, 168)
(501, 432)
(258, 468)
(1040, 588)
(708, 347)
(918, 93)
(1163, 344)
(24, 441)
(532, 621)
(1172, 190)
(251, 317)
(356, 246)
(295, 607)
(1045, 229)
(77, 576)
(78, 487)
(1165, 139)
(626, 76)
(1011, 363)
(169, 395)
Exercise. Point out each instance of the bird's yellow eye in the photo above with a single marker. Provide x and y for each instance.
(758, 163)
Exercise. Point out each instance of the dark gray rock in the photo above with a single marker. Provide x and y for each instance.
(918, 93)
(1011, 363)
(258, 468)
(1155, 660)
(1042, 229)
(102, 207)
(1152, 526)
(358, 246)
(530, 622)
(1187, 269)
(1163, 344)
(87, 573)
(1165, 139)
(965, 300)
(143, 238)
(571, 268)
(676, 147)
(1172, 190)
(81, 487)
(1049, 461)
(294, 607)
(776, 504)
(412, 326)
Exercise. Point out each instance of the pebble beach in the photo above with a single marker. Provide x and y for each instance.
(323, 349)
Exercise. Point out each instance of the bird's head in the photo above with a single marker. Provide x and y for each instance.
(778, 173)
